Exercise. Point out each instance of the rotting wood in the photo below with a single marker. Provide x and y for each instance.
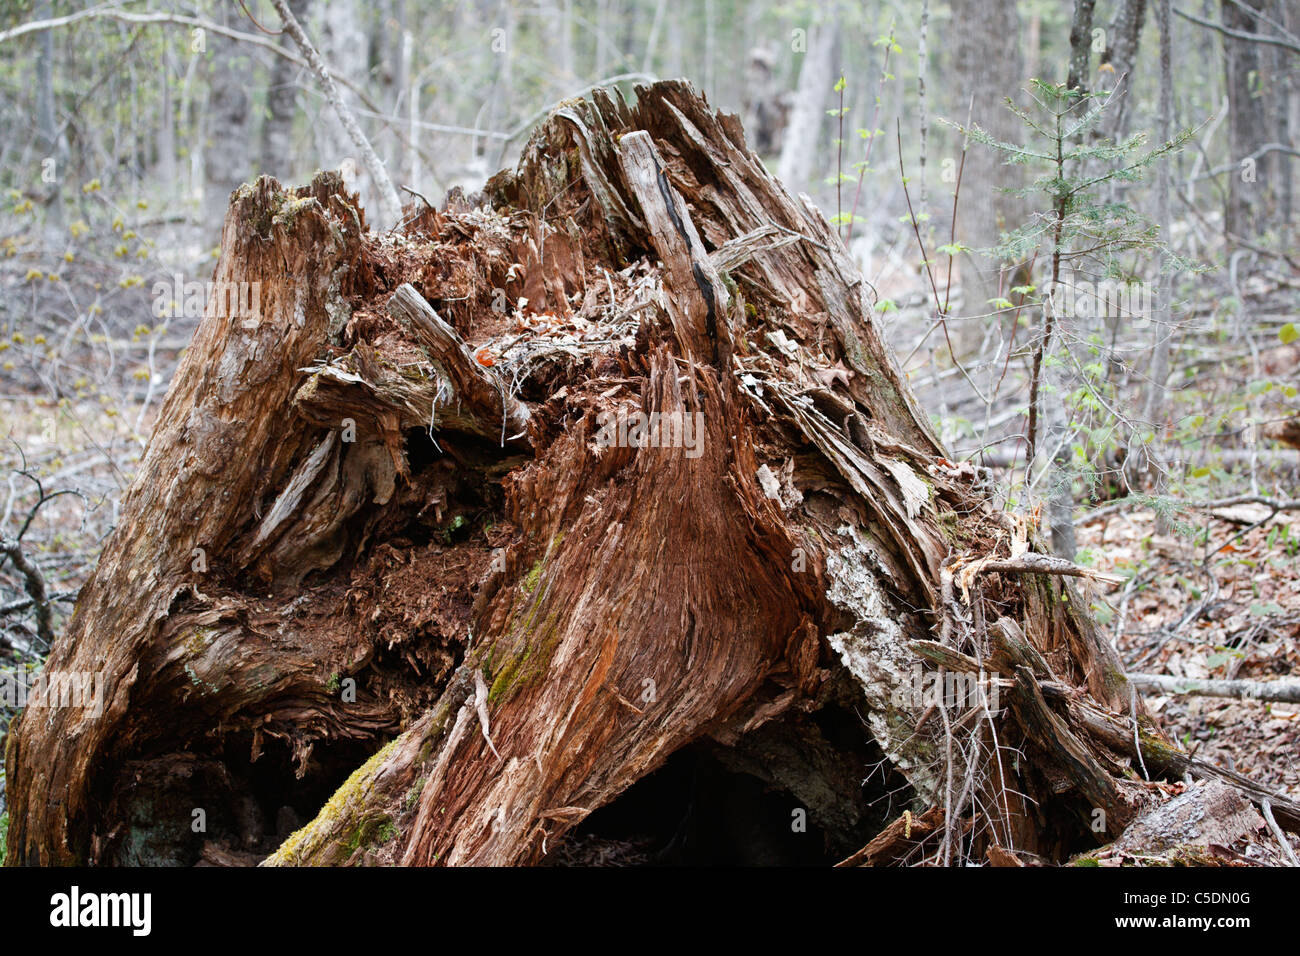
(339, 470)
(472, 384)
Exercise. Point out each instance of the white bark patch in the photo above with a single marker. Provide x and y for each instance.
(875, 653)
(767, 481)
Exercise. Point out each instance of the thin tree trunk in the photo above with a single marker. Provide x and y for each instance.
(1282, 89)
(1248, 123)
(1120, 56)
(986, 47)
(51, 156)
(710, 83)
(167, 170)
(226, 129)
(1033, 41)
(648, 59)
(1080, 71)
(816, 77)
(281, 106)
(674, 47)
(500, 94)
(1155, 397)
(923, 116)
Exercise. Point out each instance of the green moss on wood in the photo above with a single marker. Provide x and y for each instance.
(413, 794)
(531, 578)
(522, 657)
(348, 800)
(290, 211)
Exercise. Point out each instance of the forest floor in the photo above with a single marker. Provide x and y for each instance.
(1235, 615)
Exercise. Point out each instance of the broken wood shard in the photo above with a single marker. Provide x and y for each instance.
(698, 300)
(472, 384)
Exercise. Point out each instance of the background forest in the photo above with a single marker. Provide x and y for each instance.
(1093, 293)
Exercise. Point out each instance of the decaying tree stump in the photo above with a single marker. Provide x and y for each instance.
(598, 491)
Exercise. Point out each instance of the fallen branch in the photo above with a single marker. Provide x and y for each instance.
(1287, 691)
(35, 587)
(1048, 564)
(1267, 808)
(1271, 457)
(1164, 759)
(388, 197)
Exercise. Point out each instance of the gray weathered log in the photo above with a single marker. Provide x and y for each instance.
(1287, 691)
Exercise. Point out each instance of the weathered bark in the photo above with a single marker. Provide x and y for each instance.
(404, 485)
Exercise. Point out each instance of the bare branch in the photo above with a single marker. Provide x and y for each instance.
(1239, 34)
(35, 587)
(388, 198)
(1049, 564)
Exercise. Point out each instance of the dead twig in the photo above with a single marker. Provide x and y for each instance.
(35, 587)
(1049, 564)
(1267, 807)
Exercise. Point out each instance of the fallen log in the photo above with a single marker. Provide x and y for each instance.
(1283, 691)
(592, 518)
